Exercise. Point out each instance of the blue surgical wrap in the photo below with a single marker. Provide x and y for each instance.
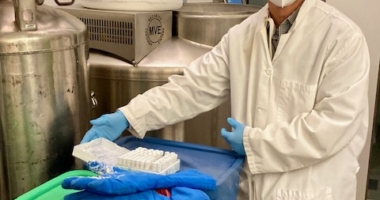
(177, 193)
(123, 184)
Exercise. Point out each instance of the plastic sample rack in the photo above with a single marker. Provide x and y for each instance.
(139, 159)
(150, 160)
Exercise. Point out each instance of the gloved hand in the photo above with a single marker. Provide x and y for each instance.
(177, 193)
(109, 126)
(129, 182)
(235, 138)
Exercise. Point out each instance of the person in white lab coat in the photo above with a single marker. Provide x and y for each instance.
(297, 76)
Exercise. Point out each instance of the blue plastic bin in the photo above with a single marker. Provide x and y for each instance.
(224, 165)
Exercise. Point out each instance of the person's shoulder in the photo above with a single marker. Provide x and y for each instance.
(338, 21)
(249, 24)
(255, 18)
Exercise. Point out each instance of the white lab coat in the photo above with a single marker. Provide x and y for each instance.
(306, 110)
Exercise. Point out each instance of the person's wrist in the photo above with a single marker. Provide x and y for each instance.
(122, 116)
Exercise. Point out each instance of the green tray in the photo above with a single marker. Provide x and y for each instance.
(52, 189)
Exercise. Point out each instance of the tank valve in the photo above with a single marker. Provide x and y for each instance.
(93, 100)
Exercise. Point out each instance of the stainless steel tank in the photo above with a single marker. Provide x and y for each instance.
(206, 23)
(43, 55)
(197, 28)
(116, 82)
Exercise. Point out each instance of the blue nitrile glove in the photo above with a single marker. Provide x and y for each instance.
(129, 182)
(177, 193)
(109, 126)
(235, 138)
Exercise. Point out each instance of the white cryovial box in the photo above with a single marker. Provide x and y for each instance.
(150, 160)
(140, 159)
(101, 150)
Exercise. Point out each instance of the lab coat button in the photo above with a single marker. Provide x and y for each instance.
(269, 71)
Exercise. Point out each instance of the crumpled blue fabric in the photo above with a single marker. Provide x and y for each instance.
(128, 182)
(124, 184)
(177, 193)
(101, 168)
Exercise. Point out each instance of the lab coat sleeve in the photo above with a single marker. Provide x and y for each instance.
(340, 109)
(204, 86)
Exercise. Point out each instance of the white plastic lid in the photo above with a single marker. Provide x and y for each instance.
(101, 150)
(133, 5)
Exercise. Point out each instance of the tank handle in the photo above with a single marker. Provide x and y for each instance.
(25, 14)
(64, 3)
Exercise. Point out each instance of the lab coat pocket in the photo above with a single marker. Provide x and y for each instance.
(322, 194)
(294, 98)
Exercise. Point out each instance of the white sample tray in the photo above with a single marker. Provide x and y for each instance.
(105, 151)
(150, 160)
(169, 170)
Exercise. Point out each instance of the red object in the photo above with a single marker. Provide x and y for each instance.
(164, 192)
